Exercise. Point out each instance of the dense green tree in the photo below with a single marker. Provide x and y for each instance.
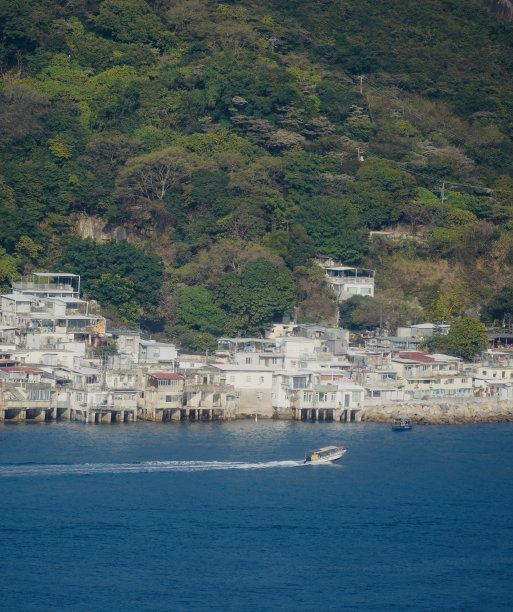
(132, 21)
(91, 260)
(113, 290)
(197, 311)
(346, 310)
(466, 338)
(499, 309)
(386, 310)
(381, 192)
(20, 29)
(8, 270)
(260, 294)
(331, 224)
(152, 175)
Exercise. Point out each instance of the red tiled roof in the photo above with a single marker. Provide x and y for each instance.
(416, 356)
(165, 376)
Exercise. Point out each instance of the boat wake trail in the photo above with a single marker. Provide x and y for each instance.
(137, 468)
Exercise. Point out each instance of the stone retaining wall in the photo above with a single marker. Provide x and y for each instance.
(437, 412)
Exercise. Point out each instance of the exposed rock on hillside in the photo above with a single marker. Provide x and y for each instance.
(501, 8)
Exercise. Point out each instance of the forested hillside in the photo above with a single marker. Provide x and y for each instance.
(188, 158)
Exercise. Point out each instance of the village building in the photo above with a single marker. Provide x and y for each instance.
(127, 342)
(493, 374)
(251, 387)
(162, 396)
(150, 351)
(424, 375)
(323, 395)
(346, 281)
(52, 365)
(423, 330)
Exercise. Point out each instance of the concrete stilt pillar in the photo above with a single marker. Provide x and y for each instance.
(41, 416)
(2, 415)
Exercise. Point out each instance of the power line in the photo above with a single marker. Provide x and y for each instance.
(386, 93)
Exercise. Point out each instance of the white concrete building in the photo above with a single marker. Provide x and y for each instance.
(424, 376)
(306, 389)
(151, 351)
(347, 281)
(252, 386)
(423, 330)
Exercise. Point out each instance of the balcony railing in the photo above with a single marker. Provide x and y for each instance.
(26, 285)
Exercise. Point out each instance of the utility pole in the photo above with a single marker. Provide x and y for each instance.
(443, 197)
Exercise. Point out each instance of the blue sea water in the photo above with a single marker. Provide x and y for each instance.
(225, 516)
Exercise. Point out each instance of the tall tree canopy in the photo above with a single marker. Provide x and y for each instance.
(260, 294)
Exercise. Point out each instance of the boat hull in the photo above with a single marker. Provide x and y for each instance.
(328, 459)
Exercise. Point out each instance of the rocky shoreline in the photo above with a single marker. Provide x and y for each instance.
(443, 412)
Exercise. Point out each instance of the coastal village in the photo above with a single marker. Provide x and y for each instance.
(53, 365)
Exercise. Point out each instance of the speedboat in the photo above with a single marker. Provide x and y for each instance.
(325, 454)
(403, 424)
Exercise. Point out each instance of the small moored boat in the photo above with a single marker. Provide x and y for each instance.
(403, 424)
(325, 454)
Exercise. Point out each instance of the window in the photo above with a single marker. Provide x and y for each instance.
(248, 378)
(248, 359)
(231, 378)
(299, 382)
(261, 379)
(259, 395)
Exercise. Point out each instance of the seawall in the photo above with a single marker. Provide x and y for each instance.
(443, 412)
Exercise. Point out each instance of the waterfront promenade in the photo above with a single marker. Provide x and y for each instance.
(421, 412)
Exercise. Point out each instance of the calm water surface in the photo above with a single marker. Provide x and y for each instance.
(226, 517)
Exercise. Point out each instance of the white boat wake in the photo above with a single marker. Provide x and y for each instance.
(137, 468)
